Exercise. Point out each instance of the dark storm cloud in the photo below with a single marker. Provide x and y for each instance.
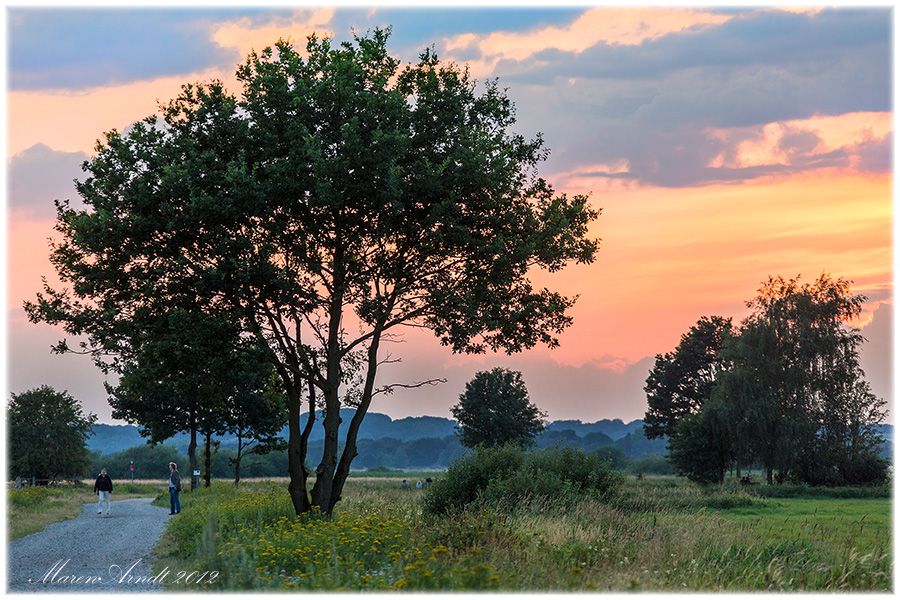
(40, 175)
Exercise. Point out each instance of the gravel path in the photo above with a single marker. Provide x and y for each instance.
(91, 553)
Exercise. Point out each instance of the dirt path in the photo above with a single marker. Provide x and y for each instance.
(91, 553)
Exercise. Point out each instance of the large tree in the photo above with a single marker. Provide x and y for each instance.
(47, 432)
(797, 389)
(495, 410)
(681, 381)
(701, 447)
(338, 200)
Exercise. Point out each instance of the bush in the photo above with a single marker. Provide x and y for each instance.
(469, 475)
(381, 469)
(507, 475)
(650, 464)
(151, 462)
(869, 470)
(30, 497)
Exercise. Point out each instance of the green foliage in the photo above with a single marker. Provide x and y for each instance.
(507, 475)
(150, 462)
(251, 538)
(495, 410)
(48, 434)
(681, 381)
(649, 464)
(806, 491)
(30, 497)
(469, 475)
(701, 448)
(786, 392)
(338, 182)
(381, 469)
(662, 535)
(797, 393)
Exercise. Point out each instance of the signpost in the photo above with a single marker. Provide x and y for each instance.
(131, 467)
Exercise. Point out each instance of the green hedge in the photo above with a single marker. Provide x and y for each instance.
(507, 475)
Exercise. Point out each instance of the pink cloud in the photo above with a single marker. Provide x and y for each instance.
(791, 142)
(611, 25)
(246, 35)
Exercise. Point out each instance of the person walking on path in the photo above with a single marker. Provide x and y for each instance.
(174, 488)
(103, 486)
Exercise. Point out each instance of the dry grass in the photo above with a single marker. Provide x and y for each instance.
(67, 503)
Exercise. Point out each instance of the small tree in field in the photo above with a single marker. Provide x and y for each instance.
(48, 434)
(495, 409)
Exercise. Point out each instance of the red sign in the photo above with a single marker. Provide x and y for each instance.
(132, 467)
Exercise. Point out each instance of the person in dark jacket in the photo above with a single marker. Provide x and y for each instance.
(103, 486)
(174, 488)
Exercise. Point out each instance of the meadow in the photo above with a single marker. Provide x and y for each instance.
(656, 534)
(29, 509)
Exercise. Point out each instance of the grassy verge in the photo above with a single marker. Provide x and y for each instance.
(658, 535)
(30, 509)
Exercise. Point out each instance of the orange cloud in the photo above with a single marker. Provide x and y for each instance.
(766, 145)
(245, 35)
(73, 121)
(612, 25)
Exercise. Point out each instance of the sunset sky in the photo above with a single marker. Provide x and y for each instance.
(723, 145)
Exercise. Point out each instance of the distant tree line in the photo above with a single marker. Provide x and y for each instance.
(632, 453)
(783, 391)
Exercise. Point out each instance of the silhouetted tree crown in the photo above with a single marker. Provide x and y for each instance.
(495, 409)
(338, 199)
(47, 433)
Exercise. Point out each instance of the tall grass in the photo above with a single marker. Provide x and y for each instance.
(30, 509)
(656, 535)
(252, 539)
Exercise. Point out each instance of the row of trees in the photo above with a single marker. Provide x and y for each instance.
(194, 373)
(784, 391)
(53, 431)
(338, 199)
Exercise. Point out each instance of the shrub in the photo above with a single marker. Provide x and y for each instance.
(469, 475)
(650, 464)
(865, 470)
(30, 497)
(381, 469)
(507, 475)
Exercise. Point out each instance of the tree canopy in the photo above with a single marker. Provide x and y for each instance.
(789, 392)
(681, 381)
(48, 433)
(338, 199)
(495, 410)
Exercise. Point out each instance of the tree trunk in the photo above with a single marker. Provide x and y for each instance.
(192, 458)
(322, 489)
(237, 461)
(297, 449)
(769, 475)
(207, 463)
(350, 452)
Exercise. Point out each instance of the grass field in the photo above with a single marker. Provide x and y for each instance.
(30, 509)
(656, 535)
